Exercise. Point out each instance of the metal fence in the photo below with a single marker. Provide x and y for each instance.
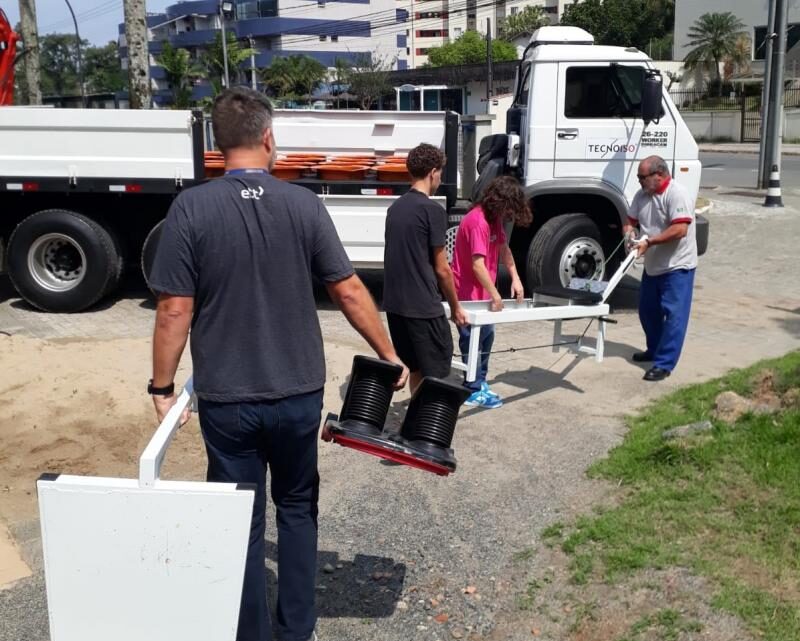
(706, 101)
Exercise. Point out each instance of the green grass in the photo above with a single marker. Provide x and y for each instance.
(669, 624)
(725, 504)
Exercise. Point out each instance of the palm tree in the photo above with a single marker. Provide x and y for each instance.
(180, 71)
(214, 60)
(713, 38)
(294, 77)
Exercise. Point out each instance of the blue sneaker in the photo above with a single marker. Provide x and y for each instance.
(485, 389)
(481, 399)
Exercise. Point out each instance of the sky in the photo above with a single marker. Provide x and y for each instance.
(98, 20)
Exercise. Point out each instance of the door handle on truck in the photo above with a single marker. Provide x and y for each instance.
(568, 134)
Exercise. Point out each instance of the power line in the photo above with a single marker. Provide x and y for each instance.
(386, 25)
(91, 14)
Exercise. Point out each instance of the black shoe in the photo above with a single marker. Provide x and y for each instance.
(642, 357)
(656, 374)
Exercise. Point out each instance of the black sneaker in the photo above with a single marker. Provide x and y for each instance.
(642, 357)
(656, 374)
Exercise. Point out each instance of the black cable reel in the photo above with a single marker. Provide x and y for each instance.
(427, 431)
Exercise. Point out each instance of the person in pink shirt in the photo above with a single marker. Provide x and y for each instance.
(480, 245)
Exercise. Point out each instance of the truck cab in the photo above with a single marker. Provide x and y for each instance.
(582, 118)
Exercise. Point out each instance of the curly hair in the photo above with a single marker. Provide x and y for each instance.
(423, 159)
(503, 198)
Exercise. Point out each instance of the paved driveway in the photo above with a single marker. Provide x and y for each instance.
(520, 467)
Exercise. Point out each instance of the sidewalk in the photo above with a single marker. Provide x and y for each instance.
(743, 148)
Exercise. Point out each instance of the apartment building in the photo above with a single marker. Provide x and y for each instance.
(323, 29)
(432, 23)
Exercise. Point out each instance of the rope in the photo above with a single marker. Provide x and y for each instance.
(524, 349)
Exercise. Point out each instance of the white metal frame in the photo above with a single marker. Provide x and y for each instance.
(539, 308)
(153, 456)
(144, 558)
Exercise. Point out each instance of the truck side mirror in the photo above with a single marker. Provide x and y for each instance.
(514, 120)
(652, 92)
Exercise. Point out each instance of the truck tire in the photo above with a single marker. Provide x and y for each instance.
(567, 246)
(119, 266)
(149, 250)
(61, 261)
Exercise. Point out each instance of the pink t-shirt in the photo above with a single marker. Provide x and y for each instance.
(475, 237)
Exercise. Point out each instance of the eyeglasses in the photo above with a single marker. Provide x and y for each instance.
(641, 177)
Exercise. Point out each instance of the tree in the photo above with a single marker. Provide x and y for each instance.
(58, 56)
(30, 60)
(294, 77)
(637, 23)
(524, 23)
(214, 60)
(713, 38)
(341, 75)
(102, 69)
(469, 48)
(140, 93)
(180, 72)
(369, 78)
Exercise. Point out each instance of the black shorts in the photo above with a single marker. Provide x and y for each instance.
(423, 344)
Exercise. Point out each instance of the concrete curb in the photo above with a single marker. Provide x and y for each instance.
(734, 148)
(702, 211)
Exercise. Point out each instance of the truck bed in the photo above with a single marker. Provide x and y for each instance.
(82, 145)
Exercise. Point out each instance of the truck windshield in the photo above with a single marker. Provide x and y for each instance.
(604, 92)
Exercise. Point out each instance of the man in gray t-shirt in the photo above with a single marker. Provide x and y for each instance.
(236, 262)
(664, 213)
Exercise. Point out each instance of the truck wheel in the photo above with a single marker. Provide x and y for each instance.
(149, 250)
(567, 246)
(119, 266)
(61, 261)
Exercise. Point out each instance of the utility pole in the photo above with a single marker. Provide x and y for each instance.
(763, 153)
(253, 82)
(30, 60)
(489, 79)
(776, 102)
(226, 78)
(139, 90)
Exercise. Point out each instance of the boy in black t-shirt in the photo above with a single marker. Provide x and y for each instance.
(417, 273)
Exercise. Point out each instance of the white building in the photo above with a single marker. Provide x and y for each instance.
(433, 23)
(753, 13)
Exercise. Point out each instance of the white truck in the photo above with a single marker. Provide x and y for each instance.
(82, 191)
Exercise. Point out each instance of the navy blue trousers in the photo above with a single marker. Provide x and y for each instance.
(665, 302)
(243, 440)
(485, 344)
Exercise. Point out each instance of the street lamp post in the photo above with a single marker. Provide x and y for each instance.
(80, 60)
(225, 8)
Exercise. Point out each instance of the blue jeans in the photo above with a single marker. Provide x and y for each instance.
(665, 302)
(242, 441)
(485, 347)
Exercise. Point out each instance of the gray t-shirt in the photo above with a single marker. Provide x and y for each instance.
(246, 247)
(654, 214)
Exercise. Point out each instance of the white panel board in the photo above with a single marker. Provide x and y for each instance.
(129, 563)
(351, 132)
(96, 143)
(360, 222)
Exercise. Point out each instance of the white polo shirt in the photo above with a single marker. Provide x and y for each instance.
(654, 214)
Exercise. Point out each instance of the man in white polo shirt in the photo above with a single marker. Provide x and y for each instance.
(664, 212)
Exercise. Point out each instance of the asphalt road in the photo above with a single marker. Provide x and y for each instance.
(740, 170)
